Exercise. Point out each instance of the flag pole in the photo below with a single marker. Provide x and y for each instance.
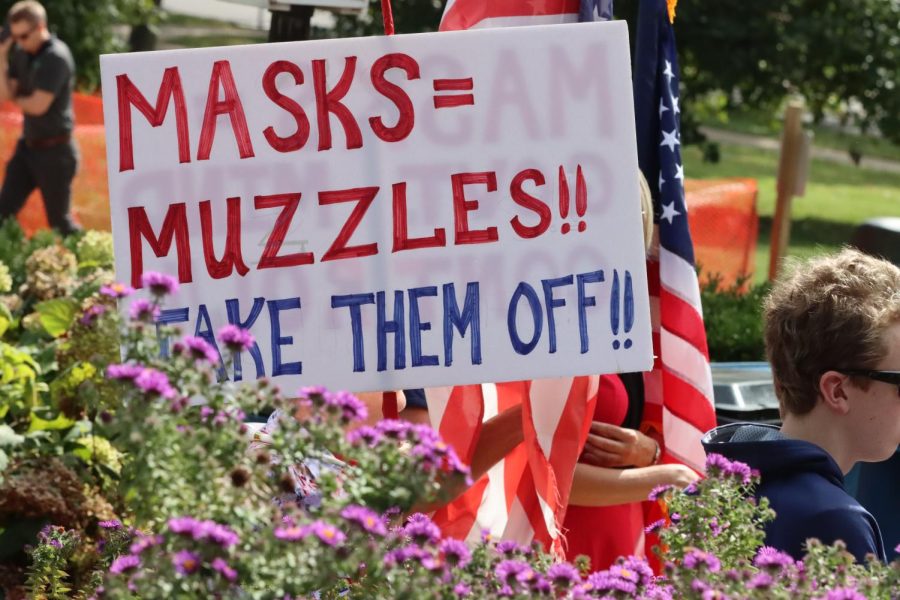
(388, 16)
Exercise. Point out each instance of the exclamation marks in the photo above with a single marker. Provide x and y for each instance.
(564, 199)
(580, 199)
(619, 304)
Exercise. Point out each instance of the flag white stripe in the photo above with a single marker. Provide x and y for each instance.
(686, 362)
(683, 440)
(548, 402)
(437, 399)
(678, 277)
(518, 528)
(492, 513)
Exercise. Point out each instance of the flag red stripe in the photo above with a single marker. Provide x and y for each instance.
(686, 402)
(683, 320)
(467, 13)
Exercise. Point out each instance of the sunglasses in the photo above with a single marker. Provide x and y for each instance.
(891, 377)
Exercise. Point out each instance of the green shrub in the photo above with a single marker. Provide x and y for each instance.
(733, 317)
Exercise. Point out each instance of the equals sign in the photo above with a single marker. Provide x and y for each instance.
(453, 85)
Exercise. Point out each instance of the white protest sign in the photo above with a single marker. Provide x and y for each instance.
(390, 212)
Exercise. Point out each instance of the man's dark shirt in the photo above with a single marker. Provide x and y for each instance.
(52, 70)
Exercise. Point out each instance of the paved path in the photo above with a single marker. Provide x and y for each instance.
(828, 154)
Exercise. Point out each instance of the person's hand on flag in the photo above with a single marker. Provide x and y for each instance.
(608, 445)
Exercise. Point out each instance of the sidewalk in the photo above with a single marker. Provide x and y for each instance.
(827, 154)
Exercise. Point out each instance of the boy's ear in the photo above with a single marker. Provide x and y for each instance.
(833, 389)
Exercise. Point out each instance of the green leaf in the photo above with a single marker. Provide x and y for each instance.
(57, 315)
(6, 319)
(39, 424)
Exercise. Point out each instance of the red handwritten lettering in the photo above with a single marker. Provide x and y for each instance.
(339, 248)
(462, 206)
(270, 258)
(330, 102)
(395, 94)
(231, 259)
(298, 139)
(230, 105)
(169, 90)
(174, 227)
(528, 201)
(402, 241)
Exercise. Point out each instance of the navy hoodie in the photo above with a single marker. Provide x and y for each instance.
(805, 488)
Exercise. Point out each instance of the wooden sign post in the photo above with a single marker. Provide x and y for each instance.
(792, 172)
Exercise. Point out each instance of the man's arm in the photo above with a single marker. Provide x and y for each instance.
(8, 85)
(36, 104)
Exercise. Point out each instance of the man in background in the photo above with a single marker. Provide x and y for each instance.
(37, 73)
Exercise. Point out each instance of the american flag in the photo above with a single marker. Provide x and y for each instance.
(678, 391)
(523, 497)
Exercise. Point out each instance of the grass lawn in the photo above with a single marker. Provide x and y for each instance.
(838, 197)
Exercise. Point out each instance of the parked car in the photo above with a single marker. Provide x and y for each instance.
(744, 391)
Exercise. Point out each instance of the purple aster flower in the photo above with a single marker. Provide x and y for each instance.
(640, 567)
(602, 581)
(55, 543)
(527, 576)
(771, 558)
(716, 463)
(658, 491)
(200, 349)
(364, 435)
(508, 547)
(219, 565)
(142, 542)
(185, 526)
(392, 428)
(563, 575)
(455, 552)
(655, 526)
(151, 381)
(715, 528)
(291, 533)
(159, 283)
(623, 572)
(421, 529)
(675, 517)
(462, 590)
(740, 471)
(124, 371)
(143, 310)
(541, 585)
(897, 549)
(698, 558)
(366, 519)
(186, 562)
(844, 594)
(761, 581)
(219, 534)
(235, 338)
(112, 524)
(349, 405)
(116, 290)
(328, 534)
(508, 571)
(90, 315)
(124, 564)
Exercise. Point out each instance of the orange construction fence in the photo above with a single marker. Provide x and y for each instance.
(723, 219)
(90, 190)
(724, 225)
